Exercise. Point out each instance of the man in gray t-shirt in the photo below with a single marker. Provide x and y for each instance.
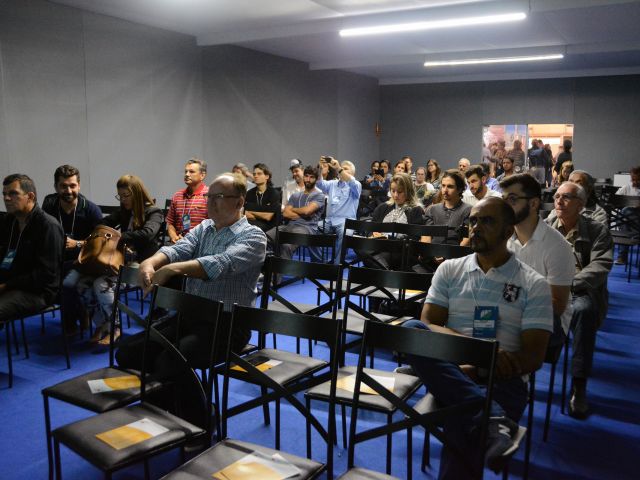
(304, 211)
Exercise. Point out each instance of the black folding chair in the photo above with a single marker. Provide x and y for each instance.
(96, 438)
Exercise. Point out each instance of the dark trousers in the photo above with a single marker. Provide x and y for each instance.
(449, 385)
(16, 304)
(584, 325)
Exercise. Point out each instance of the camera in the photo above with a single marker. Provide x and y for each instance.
(379, 171)
(326, 158)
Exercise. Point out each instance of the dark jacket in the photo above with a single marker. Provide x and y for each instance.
(36, 267)
(87, 216)
(143, 240)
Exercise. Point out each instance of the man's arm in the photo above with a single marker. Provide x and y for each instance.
(307, 210)
(173, 235)
(253, 215)
(596, 272)
(533, 348)
(289, 214)
(560, 298)
(435, 317)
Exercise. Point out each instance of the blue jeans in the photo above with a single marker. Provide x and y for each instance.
(335, 227)
(449, 385)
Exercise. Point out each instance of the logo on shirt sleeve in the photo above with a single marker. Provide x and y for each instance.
(511, 292)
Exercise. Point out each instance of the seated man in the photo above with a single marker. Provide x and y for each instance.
(343, 196)
(303, 210)
(31, 244)
(490, 279)
(189, 206)
(541, 247)
(593, 253)
(591, 210)
(492, 183)
(452, 211)
(78, 217)
(296, 184)
(263, 201)
(633, 213)
(463, 165)
(477, 180)
(222, 258)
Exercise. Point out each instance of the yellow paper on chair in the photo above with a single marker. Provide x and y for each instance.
(348, 383)
(247, 471)
(263, 364)
(131, 434)
(102, 385)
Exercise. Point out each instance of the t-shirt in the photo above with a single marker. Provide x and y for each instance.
(521, 294)
(470, 199)
(455, 218)
(303, 199)
(629, 190)
(549, 254)
(268, 201)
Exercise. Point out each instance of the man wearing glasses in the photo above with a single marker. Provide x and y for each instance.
(593, 255)
(541, 247)
(31, 243)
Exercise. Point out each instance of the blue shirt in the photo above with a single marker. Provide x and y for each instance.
(522, 295)
(493, 184)
(301, 200)
(232, 258)
(343, 198)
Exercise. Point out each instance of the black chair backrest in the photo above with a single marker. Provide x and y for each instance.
(314, 272)
(455, 349)
(192, 308)
(369, 247)
(319, 240)
(428, 250)
(367, 228)
(413, 230)
(108, 209)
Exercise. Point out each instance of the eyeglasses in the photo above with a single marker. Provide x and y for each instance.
(565, 197)
(512, 199)
(216, 196)
(120, 197)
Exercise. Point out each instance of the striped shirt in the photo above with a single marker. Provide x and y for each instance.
(194, 205)
(522, 296)
(232, 258)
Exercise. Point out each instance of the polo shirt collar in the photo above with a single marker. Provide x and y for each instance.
(506, 270)
(198, 191)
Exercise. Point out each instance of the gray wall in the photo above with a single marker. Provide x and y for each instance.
(264, 108)
(444, 121)
(108, 96)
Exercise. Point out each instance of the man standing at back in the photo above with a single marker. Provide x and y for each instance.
(189, 206)
(78, 217)
(541, 247)
(31, 243)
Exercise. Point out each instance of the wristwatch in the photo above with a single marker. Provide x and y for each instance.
(78, 244)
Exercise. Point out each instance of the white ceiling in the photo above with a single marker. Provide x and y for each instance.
(597, 37)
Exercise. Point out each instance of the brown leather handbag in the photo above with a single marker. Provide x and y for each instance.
(101, 253)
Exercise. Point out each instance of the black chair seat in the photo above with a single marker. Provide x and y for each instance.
(356, 321)
(227, 452)
(293, 366)
(357, 473)
(404, 387)
(81, 436)
(426, 404)
(279, 307)
(77, 392)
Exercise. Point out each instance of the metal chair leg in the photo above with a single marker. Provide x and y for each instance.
(47, 426)
(9, 359)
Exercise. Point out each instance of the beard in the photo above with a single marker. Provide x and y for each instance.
(523, 214)
(479, 244)
(309, 185)
(69, 197)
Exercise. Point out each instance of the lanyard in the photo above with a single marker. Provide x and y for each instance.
(73, 222)
(306, 202)
(19, 236)
(475, 301)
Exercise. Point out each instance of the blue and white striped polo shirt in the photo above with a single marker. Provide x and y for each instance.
(522, 296)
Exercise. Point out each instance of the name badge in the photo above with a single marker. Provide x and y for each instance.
(186, 222)
(485, 320)
(8, 260)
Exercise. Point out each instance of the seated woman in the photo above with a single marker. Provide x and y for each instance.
(402, 207)
(424, 190)
(399, 167)
(139, 220)
(565, 172)
(434, 173)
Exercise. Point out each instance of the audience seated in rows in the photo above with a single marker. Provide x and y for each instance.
(188, 206)
(31, 247)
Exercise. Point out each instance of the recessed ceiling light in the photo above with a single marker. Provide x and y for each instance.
(433, 25)
(476, 61)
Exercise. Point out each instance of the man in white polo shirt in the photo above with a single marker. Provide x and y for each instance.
(520, 303)
(541, 247)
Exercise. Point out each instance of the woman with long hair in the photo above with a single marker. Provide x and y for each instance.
(434, 173)
(140, 221)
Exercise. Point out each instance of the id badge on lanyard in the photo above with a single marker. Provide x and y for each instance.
(8, 259)
(485, 321)
(186, 222)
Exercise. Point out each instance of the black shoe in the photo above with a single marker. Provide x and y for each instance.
(578, 405)
(503, 440)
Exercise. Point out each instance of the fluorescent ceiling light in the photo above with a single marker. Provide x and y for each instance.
(433, 25)
(476, 61)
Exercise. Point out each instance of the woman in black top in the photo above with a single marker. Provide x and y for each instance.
(140, 221)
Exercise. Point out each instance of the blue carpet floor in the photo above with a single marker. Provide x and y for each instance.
(606, 445)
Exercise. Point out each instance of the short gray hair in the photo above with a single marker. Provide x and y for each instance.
(350, 165)
(580, 192)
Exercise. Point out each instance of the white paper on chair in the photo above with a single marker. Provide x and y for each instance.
(349, 383)
(102, 385)
(259, 465)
